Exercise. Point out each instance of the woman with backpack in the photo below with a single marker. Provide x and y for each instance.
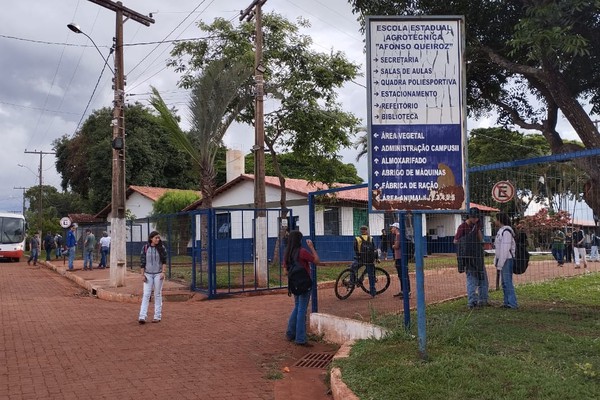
(296, 264)
(504, 258)
(153, 263)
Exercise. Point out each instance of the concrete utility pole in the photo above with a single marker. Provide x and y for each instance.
(23, 189)
(260, 233)
(117, 219)
(40, 209)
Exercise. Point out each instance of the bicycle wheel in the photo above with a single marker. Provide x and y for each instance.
(343, 284)
(382, 280)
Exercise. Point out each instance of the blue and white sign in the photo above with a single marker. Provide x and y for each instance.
(416, 124)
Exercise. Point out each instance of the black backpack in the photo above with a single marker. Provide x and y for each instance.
(521, 255)
(299, 281)
(366, 250)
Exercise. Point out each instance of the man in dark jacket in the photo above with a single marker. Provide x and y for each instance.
(469, 238)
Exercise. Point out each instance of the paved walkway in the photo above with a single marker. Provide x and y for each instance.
(59, 342)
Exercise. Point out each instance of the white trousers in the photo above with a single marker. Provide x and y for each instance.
(579, 256)
(153, 282)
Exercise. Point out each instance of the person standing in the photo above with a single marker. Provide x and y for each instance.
(469, 238)
(595, 241)
(89, 245)
(366, 254)
(384, 244)
(153, 264)
(579, 244)
(295, 254)
(48, 245)
(504, 258)
(568, 248)
(72, 245)
(34, 246)
(104, 249)
(558, 246)
(58, 241)
(398, 261)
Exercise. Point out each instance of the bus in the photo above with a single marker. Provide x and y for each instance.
(12, 236)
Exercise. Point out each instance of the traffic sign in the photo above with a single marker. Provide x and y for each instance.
(503, 191)
(65, 222)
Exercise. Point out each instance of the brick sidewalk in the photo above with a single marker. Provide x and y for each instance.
(59, 342)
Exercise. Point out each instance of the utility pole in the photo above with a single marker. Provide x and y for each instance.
(254, 10)
(117, 219)
(40, 209)
(23, 189)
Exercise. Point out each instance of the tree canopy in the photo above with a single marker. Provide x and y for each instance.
(303, 116)
(528, 60)
(84, 161)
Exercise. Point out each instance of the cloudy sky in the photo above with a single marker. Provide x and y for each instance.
(49, 73)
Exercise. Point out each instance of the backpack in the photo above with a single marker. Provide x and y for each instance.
(521, 255)
(366, 250)
(299, 281)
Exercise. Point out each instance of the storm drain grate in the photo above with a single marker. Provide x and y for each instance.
(315, 360)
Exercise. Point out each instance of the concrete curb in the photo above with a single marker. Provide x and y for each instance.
(345, 332)
(103, 293)
(339, 390)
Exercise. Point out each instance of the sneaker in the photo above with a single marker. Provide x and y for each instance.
(305, 344)
(141, 321)
(577, 266)
(155, 321)
(399, 294)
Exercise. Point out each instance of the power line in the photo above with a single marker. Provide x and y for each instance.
(91, 97)
(169, 34)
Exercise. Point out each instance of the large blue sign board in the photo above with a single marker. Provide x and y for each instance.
(416, 124)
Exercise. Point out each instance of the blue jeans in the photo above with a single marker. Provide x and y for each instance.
(88, 259)
(477, 287)
(48, 254)
(153, 282)
(558, 255)
(510, 297)
(594, 254)
(71, 256)
(58, 252)
(33, 256)
(370, 273)
(296, 328)
(103, 256)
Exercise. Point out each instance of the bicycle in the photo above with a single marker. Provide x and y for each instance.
(345, 284)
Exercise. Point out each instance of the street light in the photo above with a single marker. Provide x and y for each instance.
(75, 28)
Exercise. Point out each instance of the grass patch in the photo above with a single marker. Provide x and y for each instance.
(548, 349)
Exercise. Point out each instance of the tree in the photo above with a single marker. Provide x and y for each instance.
(54, 206)
(84, 161)
(301, 83)
(549, 184)
(178, 225)
(305, 118)
(215, 103)
(527, 60)
(540, 226)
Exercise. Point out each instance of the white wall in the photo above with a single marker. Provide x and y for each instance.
(139, 205)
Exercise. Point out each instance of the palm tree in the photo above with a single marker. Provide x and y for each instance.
(362, 143)
(217, 98)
